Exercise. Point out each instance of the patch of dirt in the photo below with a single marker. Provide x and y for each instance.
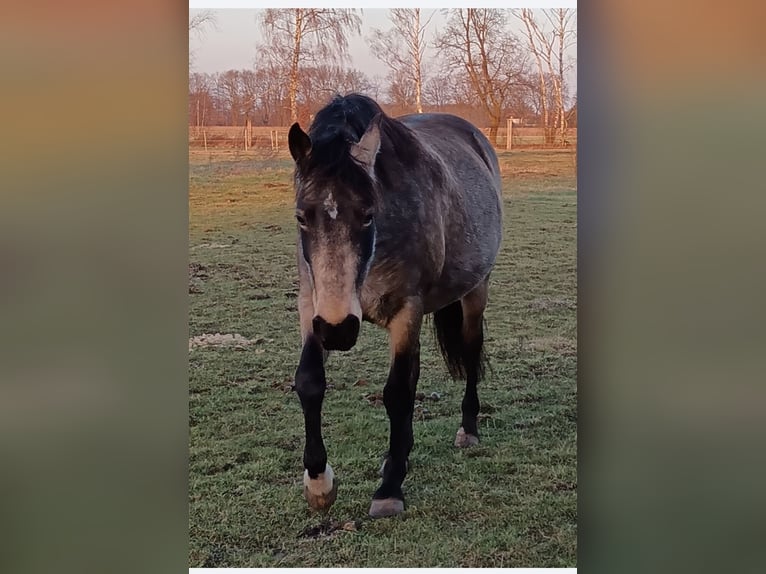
(421, 412)
(375, 399)
(223, 340)
(286, 386)
(197, 274)
(328, 528)
(198, 271)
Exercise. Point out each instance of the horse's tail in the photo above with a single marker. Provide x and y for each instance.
(448, 326)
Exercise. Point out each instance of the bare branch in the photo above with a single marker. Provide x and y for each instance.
(202, 20)
(478, 42)
(305, 35)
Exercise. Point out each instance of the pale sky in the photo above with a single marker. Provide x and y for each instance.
(231, 43)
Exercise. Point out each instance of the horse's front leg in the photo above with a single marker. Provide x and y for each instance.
(319, 487)
(399, 399)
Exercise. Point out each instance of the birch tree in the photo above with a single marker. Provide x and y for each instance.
(548, 40)
(477, 41)
(305, 35)
(402, 48)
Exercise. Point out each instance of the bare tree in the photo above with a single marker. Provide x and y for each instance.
(198, 23)
(402, 47)
(439, 91)
(565, 34)
(201, 20)
(318, 84)
(199, 99)
(400, 91)
(298, 35)
(477, 40)
(548, 41)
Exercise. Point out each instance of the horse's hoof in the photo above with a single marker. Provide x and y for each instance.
(320, 492)
(464, 440)
(386, 507)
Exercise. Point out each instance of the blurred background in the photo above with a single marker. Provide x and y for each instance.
(93, 287)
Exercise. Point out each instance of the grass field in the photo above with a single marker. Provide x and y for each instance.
(511, 501)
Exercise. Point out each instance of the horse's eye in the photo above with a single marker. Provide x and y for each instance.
(367, 220)
(301, 220)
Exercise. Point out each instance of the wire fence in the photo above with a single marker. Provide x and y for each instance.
(274, 138)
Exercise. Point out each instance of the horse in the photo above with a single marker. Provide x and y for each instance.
(397, 218)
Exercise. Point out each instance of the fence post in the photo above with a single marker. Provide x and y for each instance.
(509, 135)
(248, 134)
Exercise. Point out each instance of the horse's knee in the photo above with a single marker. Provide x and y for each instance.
(310, 384)
(398, 400)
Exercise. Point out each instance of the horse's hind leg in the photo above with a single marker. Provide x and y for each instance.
(473, 305)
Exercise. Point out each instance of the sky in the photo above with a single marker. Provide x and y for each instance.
(231, 43)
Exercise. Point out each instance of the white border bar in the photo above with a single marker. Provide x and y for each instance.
(426, 4)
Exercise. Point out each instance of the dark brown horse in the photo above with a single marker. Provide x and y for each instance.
(397, 217)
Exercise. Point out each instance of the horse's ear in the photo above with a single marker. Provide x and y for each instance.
(299, 142)
(367, 148)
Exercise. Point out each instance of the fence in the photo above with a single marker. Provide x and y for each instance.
(275, 137)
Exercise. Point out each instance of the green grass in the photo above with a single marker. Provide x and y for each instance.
(509, 502)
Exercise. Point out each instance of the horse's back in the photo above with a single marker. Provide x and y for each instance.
(470, 202)
(446, 133)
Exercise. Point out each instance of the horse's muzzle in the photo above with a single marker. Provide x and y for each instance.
(340, 337)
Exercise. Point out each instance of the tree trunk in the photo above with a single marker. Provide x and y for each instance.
(526, 17)
(562, 35)
(493, 127)
(416, 55)
(294, 65)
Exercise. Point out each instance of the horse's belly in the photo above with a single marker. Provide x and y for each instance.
(442, 294)
(459, 276)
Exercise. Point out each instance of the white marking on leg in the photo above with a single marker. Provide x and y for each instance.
(330, 206)
(320, 485)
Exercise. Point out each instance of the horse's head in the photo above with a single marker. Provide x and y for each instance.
(335, 211)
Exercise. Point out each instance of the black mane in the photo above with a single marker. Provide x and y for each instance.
(335, 128)
(338, 126)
